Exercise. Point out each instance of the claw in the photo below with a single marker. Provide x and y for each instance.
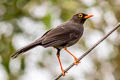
(76, 63)
(63, 72)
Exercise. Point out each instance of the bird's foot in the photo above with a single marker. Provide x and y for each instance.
(76, 62)
(63, 72)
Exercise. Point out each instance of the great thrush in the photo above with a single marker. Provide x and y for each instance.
(61, 37)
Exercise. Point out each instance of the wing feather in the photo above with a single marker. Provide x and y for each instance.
(61, 35)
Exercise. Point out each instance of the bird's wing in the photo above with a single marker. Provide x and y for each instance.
(58, 36)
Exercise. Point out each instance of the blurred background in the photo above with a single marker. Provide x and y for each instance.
(23, 21)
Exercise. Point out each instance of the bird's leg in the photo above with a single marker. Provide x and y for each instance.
(73, 56)
(58, 56)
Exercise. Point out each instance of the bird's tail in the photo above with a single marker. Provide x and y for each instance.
(24, 49)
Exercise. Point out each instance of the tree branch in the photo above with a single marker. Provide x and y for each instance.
(89, 50)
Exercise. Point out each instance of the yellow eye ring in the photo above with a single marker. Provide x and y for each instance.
(80, 15)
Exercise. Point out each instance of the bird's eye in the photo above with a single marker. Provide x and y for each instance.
(80, 15)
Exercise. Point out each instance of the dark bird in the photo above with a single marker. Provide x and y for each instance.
(61, 37)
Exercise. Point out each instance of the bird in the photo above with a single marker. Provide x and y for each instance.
(61, 37)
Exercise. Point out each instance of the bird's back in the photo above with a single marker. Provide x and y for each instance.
(66, 34)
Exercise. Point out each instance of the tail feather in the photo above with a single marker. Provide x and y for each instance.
(24, 49)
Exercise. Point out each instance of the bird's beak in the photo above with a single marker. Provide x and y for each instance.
(88, 16)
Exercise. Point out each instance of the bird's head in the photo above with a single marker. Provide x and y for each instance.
(80, 17)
